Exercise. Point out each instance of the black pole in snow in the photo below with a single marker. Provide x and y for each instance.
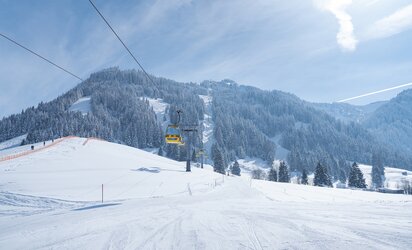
(188, 153)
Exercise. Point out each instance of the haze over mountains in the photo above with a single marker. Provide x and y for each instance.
(247, 121)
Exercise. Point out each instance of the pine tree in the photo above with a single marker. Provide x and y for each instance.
(378, 171)
(362, 183)
(218, 164)
(321, 178)
(273, 175)
(194, 156)
(235, 169)
(160, 152)
(182, 153)
(304, 180)
(356, 177)
(283, 172)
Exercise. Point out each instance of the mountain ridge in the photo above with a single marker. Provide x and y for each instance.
(245, 119)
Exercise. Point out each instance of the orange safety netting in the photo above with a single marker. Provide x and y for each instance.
(14, 156)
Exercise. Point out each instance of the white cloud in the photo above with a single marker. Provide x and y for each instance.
(393, 24)
(345, 37)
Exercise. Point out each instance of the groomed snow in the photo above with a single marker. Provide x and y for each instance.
(50, 200)
(20, 149)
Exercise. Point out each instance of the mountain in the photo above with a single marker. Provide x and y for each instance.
(283, 119)
(392, 122)
(388, 121)
(349, 113)
(244, 121)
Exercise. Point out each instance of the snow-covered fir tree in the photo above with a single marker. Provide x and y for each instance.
(304, 179)
(321, 178)
(218, 162)
(378, 171)
(160, 152)
(235, 169)
(283, 172)
(272, 175)
(356, 177)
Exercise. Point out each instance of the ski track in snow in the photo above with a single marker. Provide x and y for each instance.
(41, 205)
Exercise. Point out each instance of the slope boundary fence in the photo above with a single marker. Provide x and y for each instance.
(21, 154)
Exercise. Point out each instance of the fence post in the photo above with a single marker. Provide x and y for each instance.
(102, 193)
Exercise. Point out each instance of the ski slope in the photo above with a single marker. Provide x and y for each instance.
(14, 142)
(51, 199)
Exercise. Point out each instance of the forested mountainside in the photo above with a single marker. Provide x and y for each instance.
(392, 122)
(347, 112)
(119, 112)
(247, 121)
(309, 134)
(389, 121)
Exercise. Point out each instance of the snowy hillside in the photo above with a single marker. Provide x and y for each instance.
(208, 125)
(12, 142)
(159, 107)
(82, 105)
(349, 113)
(393, 176)
(73, 171)
(50, 199)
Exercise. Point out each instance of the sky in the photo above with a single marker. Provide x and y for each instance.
(319, 50)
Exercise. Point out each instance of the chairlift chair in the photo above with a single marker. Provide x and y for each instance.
(173, 135)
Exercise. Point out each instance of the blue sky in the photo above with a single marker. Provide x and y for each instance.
(320, 50)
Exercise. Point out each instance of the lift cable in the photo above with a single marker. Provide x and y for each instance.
(124, 45)
(38, 55)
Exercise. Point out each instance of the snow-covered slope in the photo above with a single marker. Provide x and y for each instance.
(159, 107)
(50, 200)
(73, 171)
(208, 125)
(82, 105)
(20, 149)
(349, 113)
(14, 142)
(394, 177)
